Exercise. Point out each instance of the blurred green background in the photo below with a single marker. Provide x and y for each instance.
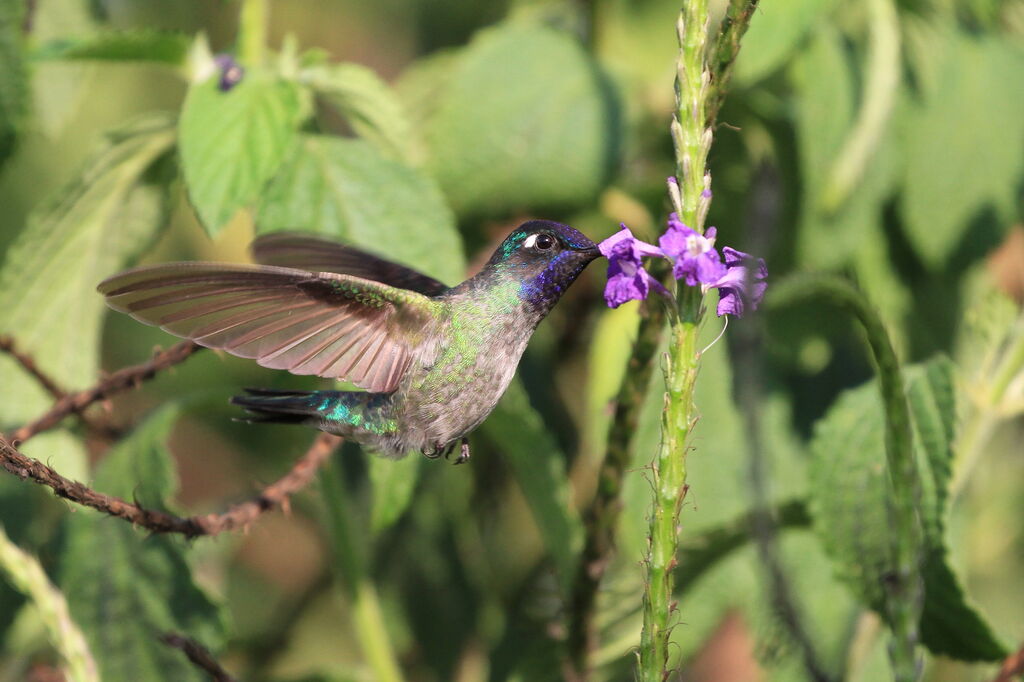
(881, 140)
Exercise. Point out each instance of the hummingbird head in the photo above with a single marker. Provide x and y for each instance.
(545, 258)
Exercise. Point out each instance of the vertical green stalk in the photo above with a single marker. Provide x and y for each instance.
(367, 617)
(904, 588)
(668, 474)
(252, 31)
(691, 133)
(691, 196)
(26, 576)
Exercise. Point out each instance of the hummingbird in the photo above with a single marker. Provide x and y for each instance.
(433, 360)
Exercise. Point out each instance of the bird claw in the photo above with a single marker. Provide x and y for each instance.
(437, 451)
(463, 455)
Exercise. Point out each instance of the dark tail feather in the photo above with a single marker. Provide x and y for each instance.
(279, 407)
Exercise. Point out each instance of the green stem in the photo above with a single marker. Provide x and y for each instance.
(726, 48)
(691, 133)
(691, 196)
(367, 617)
(253, 22)
(877, 102)
(668, 476)
(903, 586)
(26, 576)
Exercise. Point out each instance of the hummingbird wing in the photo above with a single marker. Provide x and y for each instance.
(322, 323)
(295, 250)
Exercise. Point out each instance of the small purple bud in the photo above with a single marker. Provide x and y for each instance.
(706, 194)
(231, 72)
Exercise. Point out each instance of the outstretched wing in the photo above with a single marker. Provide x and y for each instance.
(307, 323)
(307, 252)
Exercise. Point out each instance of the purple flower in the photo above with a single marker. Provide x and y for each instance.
(732, 286)
(231, 72)
(627, 278)
(696, 259)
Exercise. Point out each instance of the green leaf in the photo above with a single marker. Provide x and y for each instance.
(394, 482)
(776, 30)
(345, 189)
(233, 142)
(848, 503)
(525, 119)
(368, 104)
(84, 234)
(538, 465)
(14, 93)
(125, 589)
(125, 46)
(963, 141)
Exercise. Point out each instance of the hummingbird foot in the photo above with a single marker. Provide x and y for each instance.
(463, 455)
(435, 452)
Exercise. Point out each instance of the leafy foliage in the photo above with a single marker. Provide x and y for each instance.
(523, 118)
(233, 142)
(368, 105)
(348, 190)
(551, 112)
(963, 81)
(90, 229)
(128, 46)
(14, 84)
(848, 502)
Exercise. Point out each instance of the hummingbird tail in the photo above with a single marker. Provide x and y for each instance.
(265, 405)
(347, 413)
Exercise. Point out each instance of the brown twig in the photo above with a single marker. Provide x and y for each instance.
(198, 654)
(8, 346)
(237, 516)
(75, 403)
(1013, 666)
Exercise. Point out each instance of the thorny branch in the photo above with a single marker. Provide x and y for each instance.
(8, 346)
(237, 516)
(129, 377)
(199, 656)
(27, 363)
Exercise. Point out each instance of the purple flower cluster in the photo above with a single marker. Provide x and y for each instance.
(696, 262)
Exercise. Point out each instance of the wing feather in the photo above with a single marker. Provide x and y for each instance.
(322, 323)
(308, 252)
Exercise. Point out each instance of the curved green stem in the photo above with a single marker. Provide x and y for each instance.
(25, 574)
(903, 585)
(877, 102)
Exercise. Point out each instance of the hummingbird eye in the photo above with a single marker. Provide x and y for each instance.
(544, 241)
